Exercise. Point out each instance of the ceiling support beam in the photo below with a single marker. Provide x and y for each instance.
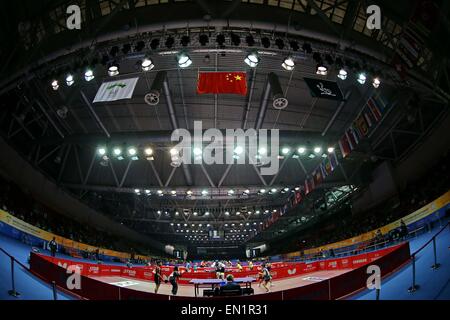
(94, 114)
(175, 125)
(337, 113)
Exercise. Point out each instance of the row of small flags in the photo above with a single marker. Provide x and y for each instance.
(371, 115)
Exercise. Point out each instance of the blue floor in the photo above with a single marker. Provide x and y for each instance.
(434, 284)
(29, 287)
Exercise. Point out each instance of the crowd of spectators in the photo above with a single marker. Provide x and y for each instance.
(344, 224)
(21, 205)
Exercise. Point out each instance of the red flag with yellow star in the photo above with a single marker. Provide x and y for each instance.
(222, 83)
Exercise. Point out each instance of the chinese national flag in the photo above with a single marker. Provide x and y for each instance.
(222, 83)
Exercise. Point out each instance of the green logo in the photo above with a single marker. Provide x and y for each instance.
(120, 85)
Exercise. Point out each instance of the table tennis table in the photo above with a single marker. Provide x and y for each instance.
(206, 283)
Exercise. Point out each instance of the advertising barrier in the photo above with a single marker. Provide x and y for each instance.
(388, 260)
(279, 271)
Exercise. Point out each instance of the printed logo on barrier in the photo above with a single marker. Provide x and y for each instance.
(332, 264)
(94, 269)
(131, 273)
(292, 272)
(147, 274)
(359, 261)
(115, 270)
(344, 262)
(309, 267)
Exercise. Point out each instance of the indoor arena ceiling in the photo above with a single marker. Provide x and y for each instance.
(60, 131)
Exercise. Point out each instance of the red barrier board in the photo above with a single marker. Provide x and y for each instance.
(334, 288)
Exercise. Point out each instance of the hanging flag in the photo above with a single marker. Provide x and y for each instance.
(344, 145)
(324, 89)
(307, 187)
(323, 171)
(362, 126)
(328, 168)
(222, 83)
(333, 161)
(317, 176)
(376, 112)
(369, 117)
(116, 90)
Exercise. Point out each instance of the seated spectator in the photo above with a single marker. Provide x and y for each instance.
(231, 287)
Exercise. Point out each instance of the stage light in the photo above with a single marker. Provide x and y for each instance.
(198, 152)
(239, 150)
(137, 191)
(342, 74)
(247, 191)
(148, 151)
(160, 192)
(89, 75)
(154, 44)
(288, 64)
(132, 151)
(274, 190)
(174, 152)
(55, 85)
(227, 214)
(279, 43)
(285, 151)
(173, 192)
(262, 191)
(220, 40)
(101, 151)
(117, 152)
(235, 39)
(250, 40)
(184, 60)
(252, 60)
(321, 70)
(301, 150)
(185, 40)
(147, 64)
(330, 150)
(230, 192)
(70, 80)
(147, 192)
(170, 42)
(362, 78)
(376, 83)
(265, 42)
(204, 193)
(113, 69)
(204, 39)
(317, 150)
(262, 151)
(189, 193)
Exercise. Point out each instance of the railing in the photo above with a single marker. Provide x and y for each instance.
(13, 292)
(414, 287)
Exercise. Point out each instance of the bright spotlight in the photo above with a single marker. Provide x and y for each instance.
(149, 151)
(137, 191)
(252, 60)
(262, 151)
(70, 80)
(113, 70)
(147, 64)
(117, 152)
(205, 192)
(362, 78)
(230, 192)
(184, 60)
(238, 150)
(376, 83)
(274, 190)
(262, 191)
(89, 75)
(330, 150)
(55, 85)
(321, 70)
(198, 152)
(317, 150)
(174, 152)
(288, 64)
(301, 150)
(101, 151)
(285, 151)
(132, 151)
(342, 74)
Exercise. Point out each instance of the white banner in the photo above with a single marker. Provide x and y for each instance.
(116, 90)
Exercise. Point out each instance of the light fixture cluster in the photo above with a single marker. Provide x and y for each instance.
(119, 153)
